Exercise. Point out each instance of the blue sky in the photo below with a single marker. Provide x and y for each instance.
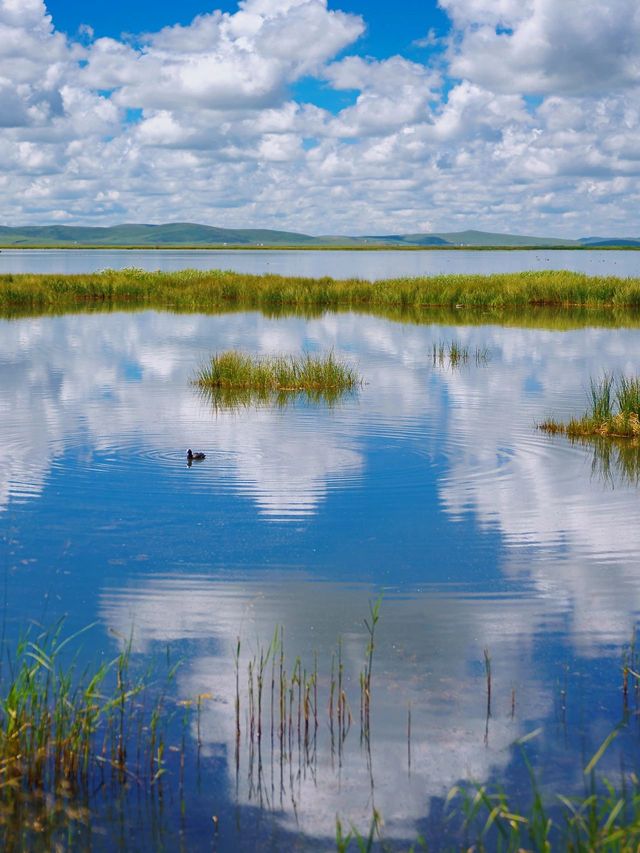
(386, 33)
(322, 115)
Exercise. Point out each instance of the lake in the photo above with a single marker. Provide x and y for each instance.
(370, 265)
(430, 486)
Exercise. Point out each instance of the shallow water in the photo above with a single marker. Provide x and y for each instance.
(372, 265)
(431, 486)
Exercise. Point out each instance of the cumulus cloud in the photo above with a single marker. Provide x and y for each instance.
(224, 61)
(546, 47)
(530, 115)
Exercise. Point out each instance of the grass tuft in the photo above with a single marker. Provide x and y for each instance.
(234, 376)
(614, 411)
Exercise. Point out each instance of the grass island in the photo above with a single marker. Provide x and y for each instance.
(316, 375)
(614, 411)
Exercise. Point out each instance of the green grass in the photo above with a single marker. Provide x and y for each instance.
(204, 291)
(235, 376)
(614, 411)
(486, 819)
(550, 300)
(455, 354)
(67, 731)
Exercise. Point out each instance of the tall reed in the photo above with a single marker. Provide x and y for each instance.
(68, 732)
(614, 410)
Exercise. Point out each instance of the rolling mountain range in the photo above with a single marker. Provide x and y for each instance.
(185, 234)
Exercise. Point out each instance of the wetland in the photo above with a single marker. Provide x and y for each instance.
(229, 606)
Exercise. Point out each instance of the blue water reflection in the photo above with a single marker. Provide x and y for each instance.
(431, 485)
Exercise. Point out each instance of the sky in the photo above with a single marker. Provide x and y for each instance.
(323, 116)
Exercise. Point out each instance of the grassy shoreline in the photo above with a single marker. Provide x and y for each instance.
(197, 291)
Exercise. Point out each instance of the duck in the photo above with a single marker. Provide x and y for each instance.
(191, 456)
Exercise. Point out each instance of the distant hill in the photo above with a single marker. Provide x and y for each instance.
(182, 234)
(608, 242)
(409, 239)
(487, 238)
(173, 234)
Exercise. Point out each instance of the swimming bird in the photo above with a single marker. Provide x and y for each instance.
(191, 457)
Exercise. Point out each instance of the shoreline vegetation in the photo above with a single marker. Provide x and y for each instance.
(614, 411)
(215, 290)
(238, 377)
(70, 736)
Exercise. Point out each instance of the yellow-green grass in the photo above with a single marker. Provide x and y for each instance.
(52, 716)
(614, 411)
(197, 290)
(238, 374)
(550, 300)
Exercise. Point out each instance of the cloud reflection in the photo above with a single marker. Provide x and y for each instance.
(427, 655)
(115, 388)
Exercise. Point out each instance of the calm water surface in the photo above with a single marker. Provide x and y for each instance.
(431, 485)
(338, 264)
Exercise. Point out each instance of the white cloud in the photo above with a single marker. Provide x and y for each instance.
(393, 93)
(545, 46)
(224, 61)
(199, 122)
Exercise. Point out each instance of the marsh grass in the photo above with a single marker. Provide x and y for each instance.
(68, 732)
(454, 354)
(604, 818)
(234, 378)
(486, 819)
(195, 290)
(614, 411)
(36, 301)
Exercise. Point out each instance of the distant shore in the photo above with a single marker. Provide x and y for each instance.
(374, 247)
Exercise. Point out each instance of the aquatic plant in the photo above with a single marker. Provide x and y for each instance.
(194, 290)
(236, 376)
(486, 818)
(614, 411)
(291, 712)
(67, 732)
(455, 354)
